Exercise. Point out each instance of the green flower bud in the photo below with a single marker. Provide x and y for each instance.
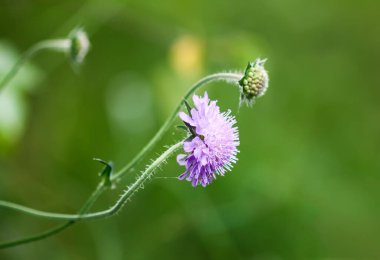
(254, 82)
(80, 45)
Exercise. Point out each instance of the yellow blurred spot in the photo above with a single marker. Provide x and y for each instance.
(186, 55)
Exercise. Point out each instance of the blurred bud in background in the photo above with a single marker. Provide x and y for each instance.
(79, 47)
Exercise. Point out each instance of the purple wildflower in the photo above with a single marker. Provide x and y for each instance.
(213, 146)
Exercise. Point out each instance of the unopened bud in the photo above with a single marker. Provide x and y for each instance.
(80, 45)
(254, 83)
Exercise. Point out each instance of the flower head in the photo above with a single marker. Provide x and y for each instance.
(254, 83)
(212, 148)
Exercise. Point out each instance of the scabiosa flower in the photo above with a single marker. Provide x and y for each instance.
(254, 83)
(212, 146)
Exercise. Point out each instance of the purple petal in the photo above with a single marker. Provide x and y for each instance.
(205, 97)
(182, 176)
(203, 160)
(216, 152)
(186, 118)
(189, 146)
(197, 152)
(194, 182)
(181, 159)
(197, 101)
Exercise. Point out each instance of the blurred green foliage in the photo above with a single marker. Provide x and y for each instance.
(307, 181)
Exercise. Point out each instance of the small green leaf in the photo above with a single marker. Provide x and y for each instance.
(182, 127)
(106, 173)
(188, 107)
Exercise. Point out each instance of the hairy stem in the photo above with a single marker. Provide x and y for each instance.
(119, 204)
(63, 45)
(145, 175)
(72, 218)
(229, 77)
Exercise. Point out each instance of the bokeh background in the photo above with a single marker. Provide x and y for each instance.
(307, 181)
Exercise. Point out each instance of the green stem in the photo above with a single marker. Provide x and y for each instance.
(62, 45)
(93, 198)
(229, 77)
(40, 236)
(234, 77)
(34, 212)
(146, 174)
(86, 206)
(72, 219)
(119, 204)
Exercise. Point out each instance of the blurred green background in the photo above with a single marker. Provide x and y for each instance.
(307, 181)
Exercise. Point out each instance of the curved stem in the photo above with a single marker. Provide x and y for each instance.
(62, 45)
(118, 205)
(72, 219)
(146, 174)
(39, 236)
(86, 206)
(229, 77)
(92, 199)
(35, 212)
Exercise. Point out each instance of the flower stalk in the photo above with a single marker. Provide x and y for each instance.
(231, 78)
(52, 231)
(76, 46)
(252, 83)
(127, 194)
